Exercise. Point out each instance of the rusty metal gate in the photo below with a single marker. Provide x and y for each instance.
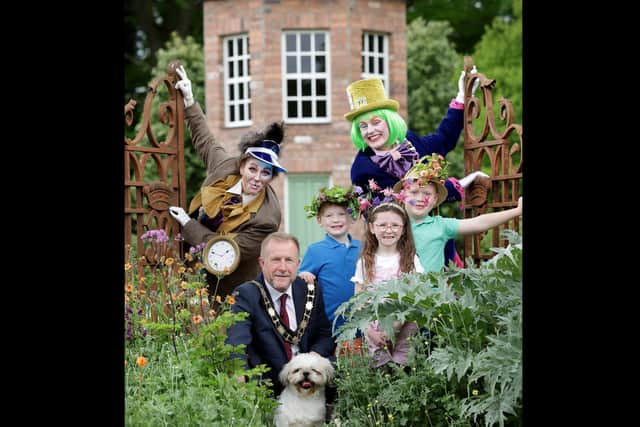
(492, 147)
(146, 202)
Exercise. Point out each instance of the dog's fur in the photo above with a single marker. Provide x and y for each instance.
(302, 402)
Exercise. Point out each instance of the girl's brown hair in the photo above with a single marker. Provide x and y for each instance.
(406, 245)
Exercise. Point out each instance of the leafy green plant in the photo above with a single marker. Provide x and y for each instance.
(466, 364)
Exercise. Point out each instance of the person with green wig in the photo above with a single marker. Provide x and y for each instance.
(387, 149)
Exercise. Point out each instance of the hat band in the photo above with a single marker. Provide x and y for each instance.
(261, 151)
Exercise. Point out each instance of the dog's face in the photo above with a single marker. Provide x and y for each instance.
(307, 373)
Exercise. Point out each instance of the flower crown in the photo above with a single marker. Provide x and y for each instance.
(428, 168)
(347, 197)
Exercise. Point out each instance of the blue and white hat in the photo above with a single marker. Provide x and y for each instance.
(267, 152)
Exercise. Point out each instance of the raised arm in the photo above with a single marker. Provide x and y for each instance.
(485, 222)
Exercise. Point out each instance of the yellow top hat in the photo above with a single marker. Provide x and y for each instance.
(366, 95)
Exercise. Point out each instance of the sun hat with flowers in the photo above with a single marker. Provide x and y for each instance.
(348, 197)
(429, 169)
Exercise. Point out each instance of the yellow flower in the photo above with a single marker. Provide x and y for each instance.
(390, 416)
(218, 299)
(188, 256)
(127, 266)
(183, 284)
(211, 313)
(181, 270)
(168, 261)
(231, 300)
(143, 280)
(129, 287)
(197, 319)
(142, 291)
(141, 361)
(474, 392)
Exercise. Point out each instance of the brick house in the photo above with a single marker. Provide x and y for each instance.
(291, 60)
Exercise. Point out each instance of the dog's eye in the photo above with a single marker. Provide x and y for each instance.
(316, 371)
(296, 371)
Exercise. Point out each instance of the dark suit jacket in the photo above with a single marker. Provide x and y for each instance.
(263, 343)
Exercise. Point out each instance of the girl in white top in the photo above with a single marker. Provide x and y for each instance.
(388, 250)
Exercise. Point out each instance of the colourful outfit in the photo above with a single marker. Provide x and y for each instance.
(444, 139)
(430, 236)
(333, 263)
(250, 223)
(388, 267)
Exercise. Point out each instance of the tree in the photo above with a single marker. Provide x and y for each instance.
(431, 63)
(148, 25)
(468, 18)
(498, 55)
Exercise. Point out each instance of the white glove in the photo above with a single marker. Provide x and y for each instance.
(179, 215)
(460, 95)
(464, 182)
(184, 85)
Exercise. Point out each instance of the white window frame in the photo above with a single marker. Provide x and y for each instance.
(313, 76)
(245, 80)
(372, 51)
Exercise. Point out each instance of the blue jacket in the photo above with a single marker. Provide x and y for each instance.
(263, 343)
(442, 141)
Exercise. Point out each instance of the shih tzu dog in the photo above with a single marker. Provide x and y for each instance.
(302, 402)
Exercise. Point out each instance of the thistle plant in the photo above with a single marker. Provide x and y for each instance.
(467, 361)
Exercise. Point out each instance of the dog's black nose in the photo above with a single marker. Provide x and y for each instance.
(306, 374)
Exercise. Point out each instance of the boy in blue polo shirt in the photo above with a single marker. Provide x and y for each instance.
(332, 261)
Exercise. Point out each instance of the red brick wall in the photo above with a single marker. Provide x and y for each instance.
(331, 150)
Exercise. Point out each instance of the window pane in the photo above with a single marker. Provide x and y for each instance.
(306, 87)
(321, 108)
(249, 109)
(240, 69)
(230, 68)
(320, 45)
(291, 42)
(305, 42)
(370, 43)
(232, 115)
(241, 111)
(380, 44)
(321, 87)
(231, 95)
(371, 62)
(305, 64)
(292, 109)
(230, 47)
(320, 64)
(306, 108)
(292, 88)
(240, 46)
(241, 90)
(291, 64)
(248, 67)
(381, 65)
(362, 64)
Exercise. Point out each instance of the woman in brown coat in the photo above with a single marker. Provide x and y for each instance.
(236, 196)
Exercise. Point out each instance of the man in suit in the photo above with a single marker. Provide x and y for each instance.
(278, 298)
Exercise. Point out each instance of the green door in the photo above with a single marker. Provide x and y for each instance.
(301, 188)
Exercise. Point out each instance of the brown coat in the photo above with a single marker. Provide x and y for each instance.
(250, 234)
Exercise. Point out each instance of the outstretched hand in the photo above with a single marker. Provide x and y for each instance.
(184, 86)
(179, 215)
(460, 95)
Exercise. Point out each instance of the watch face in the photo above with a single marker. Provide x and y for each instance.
(221, 255)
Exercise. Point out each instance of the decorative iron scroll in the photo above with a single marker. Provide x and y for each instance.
(495, 148)
(145, 155)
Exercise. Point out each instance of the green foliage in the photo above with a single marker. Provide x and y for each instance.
(178, 369)
(468, 18)
(347, 197)
(470, 360)
(498, 55)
